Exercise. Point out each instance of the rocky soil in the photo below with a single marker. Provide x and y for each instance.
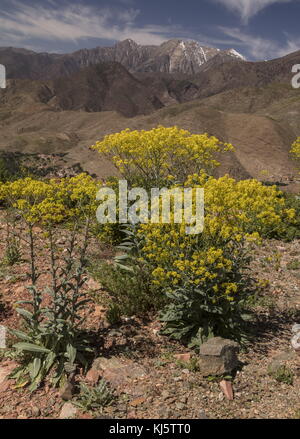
(150, 375)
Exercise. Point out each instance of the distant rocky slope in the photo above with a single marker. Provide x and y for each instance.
(61, 104)
(173, 56)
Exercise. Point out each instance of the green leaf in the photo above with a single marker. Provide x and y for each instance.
(34, 368)
(20, 334)
(71, 353)
(30, 347)
(24, 313)
(49, 361)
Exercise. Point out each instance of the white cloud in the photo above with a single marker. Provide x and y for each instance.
(261, 48)
(73, 23)
(246, 9)
(34, 27)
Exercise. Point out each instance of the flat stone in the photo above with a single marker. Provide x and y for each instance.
(116, 372)
(68, 411)
(218, 346)
(3, 332)
(185, 358)
(102, 363)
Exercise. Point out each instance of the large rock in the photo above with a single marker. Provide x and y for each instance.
(218, 356)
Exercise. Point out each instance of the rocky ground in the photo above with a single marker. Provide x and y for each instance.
(150, 375)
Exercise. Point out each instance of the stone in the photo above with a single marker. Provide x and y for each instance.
(180, 406)
(138, 401)
(93, 285)
(93, 376)
(85, 416)
(35, 411)
(226, 387)
(3, 332)
(104, 417)
(185, 358)
(296, 328)
(99, 311)
(218, 356)
(295, 342)
(116, 372)
(202, 415)
(67, 391)
(280, 360)
(68, 411)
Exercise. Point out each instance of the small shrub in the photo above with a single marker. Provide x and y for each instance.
(12, 252)
(293, 265)
(130, 293)
(191, 317)
(283, 375)
(129, 280)
(93, 398)
(114, 314)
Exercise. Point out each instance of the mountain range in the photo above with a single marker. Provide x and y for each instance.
(62, 103)
(173, 56)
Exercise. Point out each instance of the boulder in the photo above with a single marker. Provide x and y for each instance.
(218, 356)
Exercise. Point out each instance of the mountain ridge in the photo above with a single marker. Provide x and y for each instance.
(172, 56)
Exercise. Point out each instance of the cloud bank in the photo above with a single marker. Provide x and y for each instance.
(76, 22)
(246, 9)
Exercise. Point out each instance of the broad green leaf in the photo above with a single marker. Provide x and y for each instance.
(24, 313)
(30, 347)
(34, 368)
(20, 334)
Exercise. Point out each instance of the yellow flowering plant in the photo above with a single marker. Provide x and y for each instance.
(161, 156)
(52, 341)
(205, 275)
(295, 150)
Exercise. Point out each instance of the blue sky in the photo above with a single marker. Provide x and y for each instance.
(259, 29)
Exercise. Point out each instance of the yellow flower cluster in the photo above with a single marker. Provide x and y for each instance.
(53, 201)
(295, 150)
(161, 154)
(235, 212)
(240, 208)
